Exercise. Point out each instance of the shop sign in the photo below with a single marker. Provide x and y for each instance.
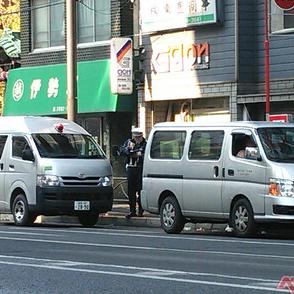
(121, 66)
(285, 4)
(280, 117)
(41, 90)
(181, 57)
(157, 15)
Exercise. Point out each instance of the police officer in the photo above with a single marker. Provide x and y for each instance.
(134, 150)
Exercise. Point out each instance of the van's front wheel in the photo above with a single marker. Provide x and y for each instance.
(242, 218)
(88, 219)
(20, 211)
(172, 220)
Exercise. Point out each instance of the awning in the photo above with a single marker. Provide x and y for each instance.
(41, 90)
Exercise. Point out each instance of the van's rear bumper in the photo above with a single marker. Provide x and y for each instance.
(60, 200)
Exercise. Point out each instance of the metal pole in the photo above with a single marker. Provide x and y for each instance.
(266, 60)
(71, 59)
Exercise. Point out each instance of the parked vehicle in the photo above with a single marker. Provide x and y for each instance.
(52, 166)
(193, 173)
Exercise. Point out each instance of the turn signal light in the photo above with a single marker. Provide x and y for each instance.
(274, 189)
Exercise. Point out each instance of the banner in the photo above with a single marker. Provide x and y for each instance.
(121, 66)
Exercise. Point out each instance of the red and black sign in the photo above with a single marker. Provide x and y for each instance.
(285, 4)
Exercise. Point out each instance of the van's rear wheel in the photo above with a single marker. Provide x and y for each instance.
(88, 219)
(242, 218)
(20, 211)
(172, 220)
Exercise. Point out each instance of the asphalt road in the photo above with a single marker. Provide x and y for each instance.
(109, 259)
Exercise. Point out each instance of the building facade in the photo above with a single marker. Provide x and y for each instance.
(39, 87)
(204, 60)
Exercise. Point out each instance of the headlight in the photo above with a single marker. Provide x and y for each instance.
(47, 181)
(105, 181)
(280, 187)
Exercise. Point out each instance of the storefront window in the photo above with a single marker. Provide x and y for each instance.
(93, 22)
(281, 20)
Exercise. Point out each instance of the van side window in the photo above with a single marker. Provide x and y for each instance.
(168, 144)
(2, 144)
(18, 145)
(206, 145)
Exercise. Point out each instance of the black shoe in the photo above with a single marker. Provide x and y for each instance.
(131, 214)
(141, 213)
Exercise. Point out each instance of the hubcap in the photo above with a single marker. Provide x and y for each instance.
(168, 215)
(19, 211)
(241, 218)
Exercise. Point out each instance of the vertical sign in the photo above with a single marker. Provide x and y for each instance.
(121, 66)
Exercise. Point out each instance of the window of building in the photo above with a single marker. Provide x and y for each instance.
(206, 145)
(48, 22)
(281, 20)
(94, 21)
(168, 145)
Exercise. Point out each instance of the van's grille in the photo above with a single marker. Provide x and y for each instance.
(282, 209)
(75, 181)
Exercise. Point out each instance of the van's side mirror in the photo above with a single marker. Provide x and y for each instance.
(252, 153)
(27, 154)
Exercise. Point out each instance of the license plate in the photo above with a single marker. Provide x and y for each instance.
(82, 205)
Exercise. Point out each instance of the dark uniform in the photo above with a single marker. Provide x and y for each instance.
(134, 153)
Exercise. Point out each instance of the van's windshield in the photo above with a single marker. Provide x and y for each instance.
(278, 143)
(68, 146)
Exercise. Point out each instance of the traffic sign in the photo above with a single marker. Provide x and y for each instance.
(285, 4)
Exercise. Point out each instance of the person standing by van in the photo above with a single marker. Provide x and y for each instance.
(134, 149)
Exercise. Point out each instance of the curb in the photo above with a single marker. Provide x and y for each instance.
(120, 220)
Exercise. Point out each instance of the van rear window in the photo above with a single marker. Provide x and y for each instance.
(168, 145)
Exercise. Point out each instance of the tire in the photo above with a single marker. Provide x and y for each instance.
(171, 218)
(88, 220)
(20, 211)
(242, 218)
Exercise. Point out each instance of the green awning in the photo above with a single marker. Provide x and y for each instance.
(41, 90)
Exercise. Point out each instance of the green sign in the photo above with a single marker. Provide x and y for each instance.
(41, 90)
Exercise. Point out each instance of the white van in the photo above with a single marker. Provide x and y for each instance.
(196, 173)
(52, 166)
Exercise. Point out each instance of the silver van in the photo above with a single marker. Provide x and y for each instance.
(52, 166)
(241, 173)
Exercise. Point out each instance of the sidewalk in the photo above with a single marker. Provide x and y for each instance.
(121, 209)
(118, 217)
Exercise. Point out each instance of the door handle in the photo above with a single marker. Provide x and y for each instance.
(215, 171)
(223, 172)
(11, 165)
(1, 166)
(231, 172)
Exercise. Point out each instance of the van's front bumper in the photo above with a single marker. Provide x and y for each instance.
(60, 200)
(277, 209)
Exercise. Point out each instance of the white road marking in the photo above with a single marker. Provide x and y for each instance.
(28, 233)
(150, 248)
(263, 242)
(138, 272)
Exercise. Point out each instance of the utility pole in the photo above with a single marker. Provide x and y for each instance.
(71, 59)
(266, 61)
